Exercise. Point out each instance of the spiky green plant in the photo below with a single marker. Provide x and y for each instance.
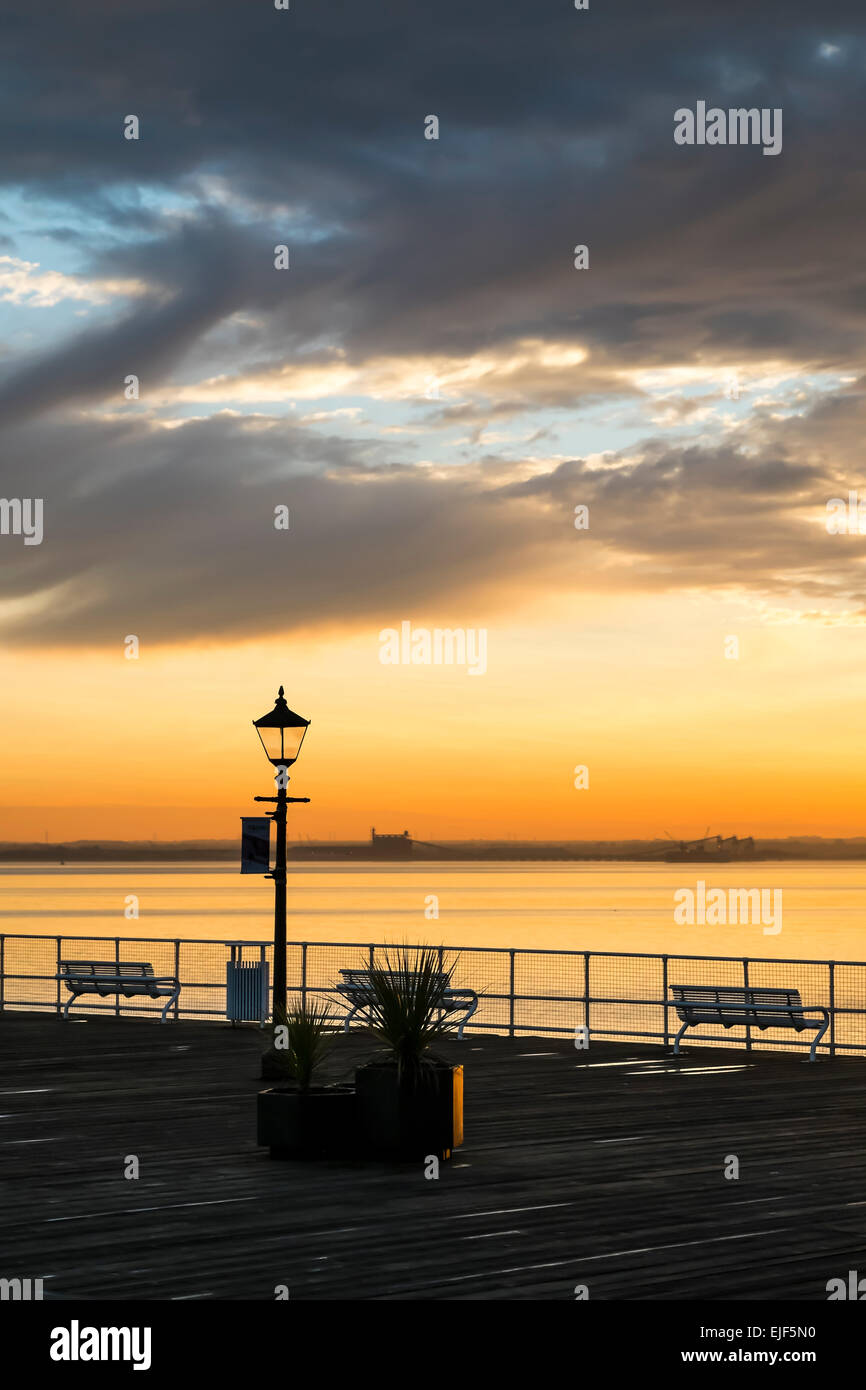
(405, 1007)
(307, 1038)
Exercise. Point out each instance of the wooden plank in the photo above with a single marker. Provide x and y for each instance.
(604, 1168)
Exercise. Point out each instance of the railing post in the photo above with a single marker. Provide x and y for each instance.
(372, 952)
(441, 968)
(746, 986)
(59, 940)
(117, 972)
(303, 974)
(586, 992)
(831, 965)
(177, 977)
(511, 994)
(263, 957)
(2, 971)
(665, 997)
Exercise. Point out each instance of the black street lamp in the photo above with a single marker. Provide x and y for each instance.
(282, 733)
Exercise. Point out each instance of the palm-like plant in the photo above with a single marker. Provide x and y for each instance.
(405, 1009)
(307, 1038)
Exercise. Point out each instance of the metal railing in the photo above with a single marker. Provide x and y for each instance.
(617, 995)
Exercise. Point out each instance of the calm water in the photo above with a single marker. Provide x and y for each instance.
(614, 907)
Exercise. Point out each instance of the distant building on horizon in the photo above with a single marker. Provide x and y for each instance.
(379, 847)
(391, 846)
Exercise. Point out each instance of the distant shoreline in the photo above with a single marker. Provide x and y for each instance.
(227, 851)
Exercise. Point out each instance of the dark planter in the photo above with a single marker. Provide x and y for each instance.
(319, 1123)
(406, 1120)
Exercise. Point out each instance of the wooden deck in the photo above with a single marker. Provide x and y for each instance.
(603, 1168)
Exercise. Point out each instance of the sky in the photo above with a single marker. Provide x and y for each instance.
(608, 472)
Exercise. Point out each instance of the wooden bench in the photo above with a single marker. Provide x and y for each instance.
(357, 989)
(105, 977)
(756, 1006)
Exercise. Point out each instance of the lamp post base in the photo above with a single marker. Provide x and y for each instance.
(274, 1066)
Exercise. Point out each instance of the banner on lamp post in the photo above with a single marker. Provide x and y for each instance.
(255, 845)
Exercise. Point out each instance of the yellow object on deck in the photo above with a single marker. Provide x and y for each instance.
(457, 1105)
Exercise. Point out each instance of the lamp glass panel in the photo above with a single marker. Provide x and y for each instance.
(283, 745)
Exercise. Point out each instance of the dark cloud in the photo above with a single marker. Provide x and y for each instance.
(169, 532)
(556, 127)
(306, 127)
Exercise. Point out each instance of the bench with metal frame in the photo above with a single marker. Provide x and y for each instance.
(753, 1005)
(103, 978)
(357, 989)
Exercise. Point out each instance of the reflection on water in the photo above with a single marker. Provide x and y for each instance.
(586, 906)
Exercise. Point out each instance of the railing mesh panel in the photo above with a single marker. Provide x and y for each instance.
(850, 993)
(520, 991)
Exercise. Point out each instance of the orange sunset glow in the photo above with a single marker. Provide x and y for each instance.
(673, 734)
